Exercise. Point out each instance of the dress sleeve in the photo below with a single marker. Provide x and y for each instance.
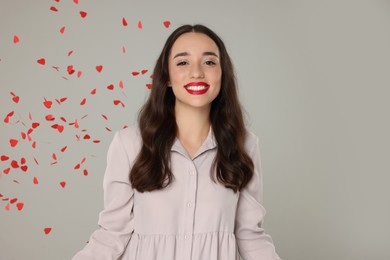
(116, 222)
(253, 243)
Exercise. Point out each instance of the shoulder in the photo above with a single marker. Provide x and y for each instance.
(130, 138)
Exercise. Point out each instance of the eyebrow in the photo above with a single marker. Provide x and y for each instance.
(206, 53)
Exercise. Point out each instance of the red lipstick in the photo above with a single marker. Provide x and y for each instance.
(197, 88)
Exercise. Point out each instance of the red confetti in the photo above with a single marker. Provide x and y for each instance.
(83, 14)
(124, 22)
(144, 71)
(82, 103)
(77, 166)
(76, 1)
(20, 206)
(62, 30)
(117, 102)
(110, 87)
(6, 171)
(105, 117)
(93, 91)
(123, 49)
(22, 160)
(99, 68)
(54, 156)
(121, 84)
(60, 128)
(49, 117)
(70, 69)
(15, 98)
(54, 9)
(13, 142)
(35, 181)
(167, 24)
(96, 141)
(41, 61)
(14, 164)
(149, 86)
(139, 25)
(70, 53)
(135, 73)
(63, 184)
(79, 73)
(85, 172)
(24, 168)
(83, 160)
(47, 230)
(87, 137)
(16, 39)
(108, 129)
(12, 201)
(7, 208)
(47, 103)
(35, 125)
(63, 149)
(4, 158)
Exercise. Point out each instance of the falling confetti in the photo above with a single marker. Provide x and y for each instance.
(62, 30)
(124, 22)
(83, 14)
(54, 9)
(99, 68)
(47, 230)
(139, 25)
(167, 24)
(16, 39)
(15, 98)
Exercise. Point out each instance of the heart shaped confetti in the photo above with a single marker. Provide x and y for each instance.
(167, 24)
(16, 39)
(20, 206)
(139, 25)
(124, 22)
(54, 9)
(47, 103)
(83, 14)
(41, 61)
(62, 30)
(47, 230)
(24, 168)
(35, 181)
(13, 142)
(4, 158)
(99, 68)
(63, 184)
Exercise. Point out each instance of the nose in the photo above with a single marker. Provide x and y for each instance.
(197, 71)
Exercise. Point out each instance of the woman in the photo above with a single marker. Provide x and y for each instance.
(185, 183)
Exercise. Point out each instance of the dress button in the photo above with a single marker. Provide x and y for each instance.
(189, 204)
(192, 173)
(185, 236)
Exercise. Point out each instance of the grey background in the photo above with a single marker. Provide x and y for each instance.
(314, 80)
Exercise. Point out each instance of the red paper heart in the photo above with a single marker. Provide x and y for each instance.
(24, 168)
(47, 230)
(14, 164)
(167, 24)
(93, 91)
(35, 125)
(63, 184)
(62, 30)
(60, 128)
(16, 39)
(41, 61)
(64, 148)
(124, 22)
(149, 86)
(135, 73)
(4, 158)
(35, 181)
(15, 99)
(6, 171)
(99, 68)
(82, 103)
(20, 206)
(22, 160)
(85, 172)
(83, 14)
(13, 142)
(47, 103)
(54, 9)
(139, 25)
(110, 87)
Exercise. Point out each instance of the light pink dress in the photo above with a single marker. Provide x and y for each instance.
(192, 219)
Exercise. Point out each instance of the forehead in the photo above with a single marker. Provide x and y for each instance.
(194, 42)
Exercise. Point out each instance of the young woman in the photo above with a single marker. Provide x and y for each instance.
(185, 182)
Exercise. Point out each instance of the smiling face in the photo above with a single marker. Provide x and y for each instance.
(194, 70)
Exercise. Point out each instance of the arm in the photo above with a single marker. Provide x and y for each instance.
(116, 220)
(253, 243)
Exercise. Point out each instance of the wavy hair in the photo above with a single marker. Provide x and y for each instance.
(232, 165)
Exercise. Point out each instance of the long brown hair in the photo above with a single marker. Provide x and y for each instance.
(157, 123)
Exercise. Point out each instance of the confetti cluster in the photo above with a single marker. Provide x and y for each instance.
(30, 162)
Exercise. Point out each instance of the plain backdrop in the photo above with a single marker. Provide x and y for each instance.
(314, 81)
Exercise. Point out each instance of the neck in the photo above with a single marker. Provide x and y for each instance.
(192, 123)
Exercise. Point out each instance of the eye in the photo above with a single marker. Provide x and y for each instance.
(210, 63)
(181, 63)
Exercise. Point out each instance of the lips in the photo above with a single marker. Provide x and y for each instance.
(197, 88)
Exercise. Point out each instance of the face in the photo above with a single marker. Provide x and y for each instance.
(194, 71)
